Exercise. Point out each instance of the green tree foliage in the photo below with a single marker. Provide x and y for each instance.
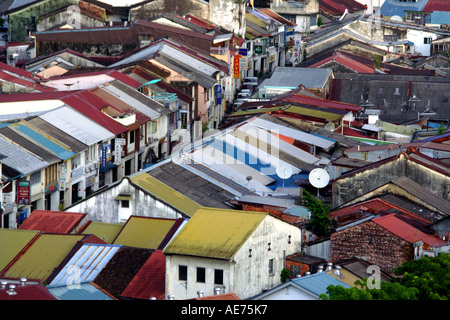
(427, 278)
(319, 213)
(284, 275)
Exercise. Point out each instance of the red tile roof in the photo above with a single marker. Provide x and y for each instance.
(90, 105)
(83, 101)
(437, 5)
(375, 206)
(53, 221)
(150, 280)
(196, 20)
(406, 231)
(337, 7)
(346, 61)
(321, 102)
(272, 14)
(28, 292)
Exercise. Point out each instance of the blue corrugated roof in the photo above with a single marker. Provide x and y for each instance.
(85, 264)
(440, 17)
(395, 8)
(317, 283)
(61, 152)
(82, 291)
(255, 163)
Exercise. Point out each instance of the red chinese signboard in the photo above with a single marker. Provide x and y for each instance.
(236, 66)
(23, 192)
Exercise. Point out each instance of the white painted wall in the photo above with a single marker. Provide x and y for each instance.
(245, 276)
(417, 37)
(102, 207)
(289, 293)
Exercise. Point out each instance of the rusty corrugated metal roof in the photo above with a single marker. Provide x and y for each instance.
(215, 233)
(144, 232)
(150, 280)
(164, 193)
(43, 256)
(12, 242)
(49, 221)
(406, 231)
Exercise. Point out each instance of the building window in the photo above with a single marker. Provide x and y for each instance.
(182, 273)
(132, 136)
(125, 203)
(271, 267)
(201, 274)
(218, 276)
(426, 40)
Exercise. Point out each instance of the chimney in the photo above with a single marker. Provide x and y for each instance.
(3, 284)
(23, 281)
(337, 272)
(329, 266)
(200, 293)
(217, 291)
(170, 297)
(11, 290)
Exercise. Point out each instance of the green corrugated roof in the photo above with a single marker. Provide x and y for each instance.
(254, 111)
(314, 113)
(12, 241)
(215, 233)
(41, 259)
(105, 231)
(291, 109)
(165, 193)
(144, 232)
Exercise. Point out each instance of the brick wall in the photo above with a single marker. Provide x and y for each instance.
(370, 242)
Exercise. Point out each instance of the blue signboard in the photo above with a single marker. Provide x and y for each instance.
(243, 51)
(218, 94)
(104, 154)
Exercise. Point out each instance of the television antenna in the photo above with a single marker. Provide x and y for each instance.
(319, 178)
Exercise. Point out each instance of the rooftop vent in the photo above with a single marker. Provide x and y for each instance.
(23, 281)
(217, 291)
(11, 290)
(3, 284)
(329, 266)
(200, 293)
(307, 273)
(320, 269)
(171, 297)
(337, 272)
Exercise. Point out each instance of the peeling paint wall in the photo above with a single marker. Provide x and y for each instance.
(245, 276)
(102, 206)
(348, 188)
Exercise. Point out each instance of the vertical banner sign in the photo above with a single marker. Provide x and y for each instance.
(218, 94)
(184, 116)
(117, 153)
(23, 192)
(236, 66)
(118, 143)
(104, 153)
(296, 56)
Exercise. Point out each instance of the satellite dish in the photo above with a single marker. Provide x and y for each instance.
(284, 172)
(319, 178)
(396, 18)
